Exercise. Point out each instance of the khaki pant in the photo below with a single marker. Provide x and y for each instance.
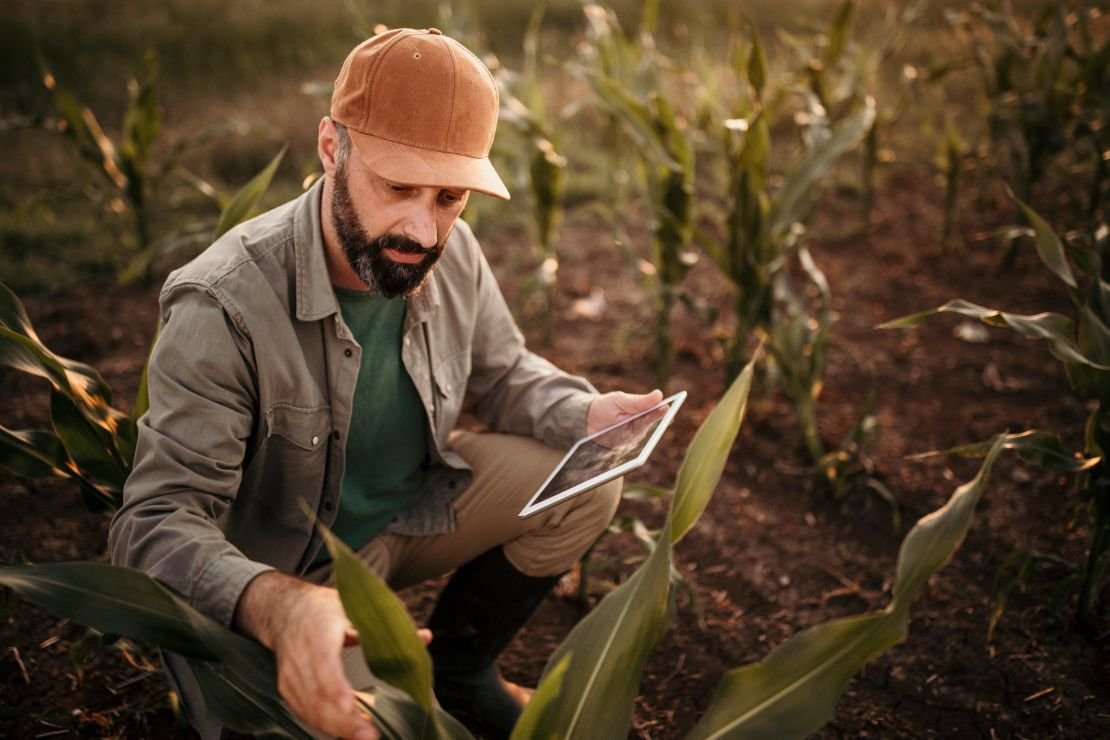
(507, 471)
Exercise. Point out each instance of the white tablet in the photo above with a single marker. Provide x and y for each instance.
(605, 455)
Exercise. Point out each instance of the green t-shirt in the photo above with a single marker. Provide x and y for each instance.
(387, 443)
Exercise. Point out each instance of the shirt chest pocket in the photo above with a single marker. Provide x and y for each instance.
(450, 378)
(294, 462)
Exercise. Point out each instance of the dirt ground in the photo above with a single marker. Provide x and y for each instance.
(771, 556)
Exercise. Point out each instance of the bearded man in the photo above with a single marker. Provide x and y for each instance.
(316, 359)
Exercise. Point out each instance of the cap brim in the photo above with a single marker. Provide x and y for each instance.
(411, 165)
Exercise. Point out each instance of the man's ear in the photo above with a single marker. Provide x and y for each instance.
(327, 145)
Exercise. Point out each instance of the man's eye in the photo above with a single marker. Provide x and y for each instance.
(450, 199)
(399, 188)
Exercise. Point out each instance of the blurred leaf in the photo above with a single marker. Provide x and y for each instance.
(838, 33)
(243, 203)
(1057, 329)
(1041, 448)
(1049, 247)
(789, 203)
(794, 691)
(32, 454)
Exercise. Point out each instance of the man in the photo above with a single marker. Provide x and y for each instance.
(319, 356)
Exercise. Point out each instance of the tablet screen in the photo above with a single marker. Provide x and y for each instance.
(605, 455)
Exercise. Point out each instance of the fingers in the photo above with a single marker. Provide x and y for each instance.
(425, 636)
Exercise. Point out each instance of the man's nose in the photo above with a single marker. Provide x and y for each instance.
(420, 226)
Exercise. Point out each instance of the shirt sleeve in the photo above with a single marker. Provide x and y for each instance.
(516, 390)
(189, 457)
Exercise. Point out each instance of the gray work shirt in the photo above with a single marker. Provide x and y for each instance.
(251, 383)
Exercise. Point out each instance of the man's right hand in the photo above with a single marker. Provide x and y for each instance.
(307, 629)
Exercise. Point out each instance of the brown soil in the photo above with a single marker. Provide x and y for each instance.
(772, 555)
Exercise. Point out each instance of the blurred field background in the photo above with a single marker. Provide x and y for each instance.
(807, 521)
(251, 74)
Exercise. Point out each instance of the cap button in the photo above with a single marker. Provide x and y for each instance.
(435, 31)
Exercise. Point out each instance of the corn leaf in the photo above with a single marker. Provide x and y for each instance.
(32, 453)
(21, 349)
(1049, 247)
(600, 663)
(238, 673)
(528, 726)
(243, 203)
(790, 203)
(1041, 448)
(794, 691)
(390, 643)
(707, 454)
(604, 656)
(1057, 329)
(397, 717)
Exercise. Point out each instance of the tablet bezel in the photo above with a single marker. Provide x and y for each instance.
(533, 507)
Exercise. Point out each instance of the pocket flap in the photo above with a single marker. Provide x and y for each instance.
(307, 428)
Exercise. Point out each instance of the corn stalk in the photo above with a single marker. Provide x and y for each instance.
(523, 107)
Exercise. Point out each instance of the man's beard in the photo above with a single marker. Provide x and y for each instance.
(365, 255)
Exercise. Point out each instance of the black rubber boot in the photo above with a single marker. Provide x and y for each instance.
(479, 611)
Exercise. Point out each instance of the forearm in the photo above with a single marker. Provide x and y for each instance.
(264, 603)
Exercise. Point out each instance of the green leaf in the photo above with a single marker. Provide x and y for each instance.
(127, 602)
(390, 643)
(32, 453)
(790, 202)
(530, 723)
(398, 717)
(794, 691)
(243, 203)
(1041, 448)
(838, 32)
(1049, 247)
(600, 662)
(598, 666)
(707, 454)
(1057, 329)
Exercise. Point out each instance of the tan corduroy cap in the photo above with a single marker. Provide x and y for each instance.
(421, 110)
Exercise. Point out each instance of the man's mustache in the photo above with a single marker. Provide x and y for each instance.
(401, 243)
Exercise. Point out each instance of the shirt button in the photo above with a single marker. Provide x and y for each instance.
(408, 341)
(315, 440)
(335, 435)
(327, 506)
(347, 353)
(448, 387)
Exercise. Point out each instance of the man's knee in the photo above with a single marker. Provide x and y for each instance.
(601, 504)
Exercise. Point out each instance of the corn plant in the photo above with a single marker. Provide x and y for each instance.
(126, 166)
(589, 685)
(842, 71)
(758, 236)
(1082, 344)
(1046, 89)
(629, 92)
(523, 106)
(90, 441)
(133, 174)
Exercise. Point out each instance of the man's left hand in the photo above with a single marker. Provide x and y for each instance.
(609, 408)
